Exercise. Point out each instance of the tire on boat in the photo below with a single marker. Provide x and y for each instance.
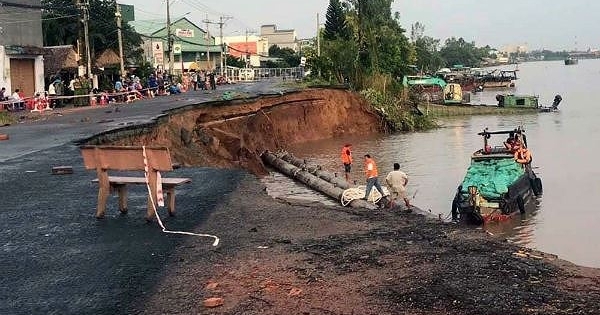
(505, 207)
(521, 204)
(536, 186)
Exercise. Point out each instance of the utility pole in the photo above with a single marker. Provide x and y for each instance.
(169, 40)
(318, 37)
(120, 36)
(221, 41)
(207, 21)
(84, 7)
(247, 57)
(221, 23)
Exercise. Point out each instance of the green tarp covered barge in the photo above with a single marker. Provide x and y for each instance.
(497, 182)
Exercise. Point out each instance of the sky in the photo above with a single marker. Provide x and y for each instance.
(536, 24)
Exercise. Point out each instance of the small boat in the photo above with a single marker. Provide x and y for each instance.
(512, 100)
(497, 79)
(571, 61)
(526, 101)
(496, 185)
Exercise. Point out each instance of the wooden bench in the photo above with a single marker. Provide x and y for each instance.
(130, 158)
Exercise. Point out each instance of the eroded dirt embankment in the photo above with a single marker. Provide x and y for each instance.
(234, 133)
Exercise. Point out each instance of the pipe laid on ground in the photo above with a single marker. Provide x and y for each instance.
(325, 175)
(335, 180)
(311, 180)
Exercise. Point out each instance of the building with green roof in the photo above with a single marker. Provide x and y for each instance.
(193, 47)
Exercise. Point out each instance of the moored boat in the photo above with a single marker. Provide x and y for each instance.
(527, 102)
(497, 79)
(498, 182)
(571, 61)
(512, 100)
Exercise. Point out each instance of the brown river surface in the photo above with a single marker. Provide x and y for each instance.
(565, 148)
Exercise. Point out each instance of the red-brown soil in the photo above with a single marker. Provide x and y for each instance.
(233, 134)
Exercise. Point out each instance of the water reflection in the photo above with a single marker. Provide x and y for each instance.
(564, 151)
(519, 229)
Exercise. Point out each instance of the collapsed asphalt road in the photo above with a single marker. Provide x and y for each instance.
(56, 258)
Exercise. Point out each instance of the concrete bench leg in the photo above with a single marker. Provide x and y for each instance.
(122, 191)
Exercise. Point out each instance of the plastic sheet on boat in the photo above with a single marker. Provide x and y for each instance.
(492, 177)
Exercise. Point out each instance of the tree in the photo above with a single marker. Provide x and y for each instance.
(289, 58)
(383, 47)
(426, 48)
(335, 23)
(61, 26)
(458, 51)
(235, 62)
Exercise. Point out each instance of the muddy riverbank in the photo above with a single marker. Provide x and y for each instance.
(278, 257)
(233, 134)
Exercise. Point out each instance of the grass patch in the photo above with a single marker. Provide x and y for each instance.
(6, 118)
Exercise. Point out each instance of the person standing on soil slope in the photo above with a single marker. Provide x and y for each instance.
(397, 181)
(347, 160)
(372, 177)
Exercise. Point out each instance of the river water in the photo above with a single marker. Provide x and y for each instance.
(566, 154)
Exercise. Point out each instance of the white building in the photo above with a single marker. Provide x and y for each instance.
(281, 38)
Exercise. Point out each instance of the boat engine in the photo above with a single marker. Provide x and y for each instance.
(557, 100)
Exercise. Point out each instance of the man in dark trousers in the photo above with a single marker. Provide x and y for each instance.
(372, 177)
(347, 160)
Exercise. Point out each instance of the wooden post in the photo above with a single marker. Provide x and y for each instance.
(103, 186)
(170, 191)
(122, 191)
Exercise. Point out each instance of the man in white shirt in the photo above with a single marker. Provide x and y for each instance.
(397, 181)
(17, 100)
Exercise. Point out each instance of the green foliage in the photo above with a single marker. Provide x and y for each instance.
(337, 61)
(289, 58)
(397, 112)
(6, 118)
(61, 26)
(235, 62)
(458, 51)
(335, 23)
(427, 52)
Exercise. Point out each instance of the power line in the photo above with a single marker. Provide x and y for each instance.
(46, 19)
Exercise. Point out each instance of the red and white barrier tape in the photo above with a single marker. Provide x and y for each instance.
(160, 198)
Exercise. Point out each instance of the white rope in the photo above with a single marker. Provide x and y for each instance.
(215, 243)
(358, 192)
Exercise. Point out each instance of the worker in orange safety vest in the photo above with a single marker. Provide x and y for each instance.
(522, 155)
(347, 160)
(372, 177)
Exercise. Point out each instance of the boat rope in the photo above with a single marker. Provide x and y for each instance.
(164, 229)
(358, 192)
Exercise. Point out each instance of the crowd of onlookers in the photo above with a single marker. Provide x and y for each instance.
(79, 91)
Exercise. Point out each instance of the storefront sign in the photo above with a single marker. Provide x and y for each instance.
(184, 33)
